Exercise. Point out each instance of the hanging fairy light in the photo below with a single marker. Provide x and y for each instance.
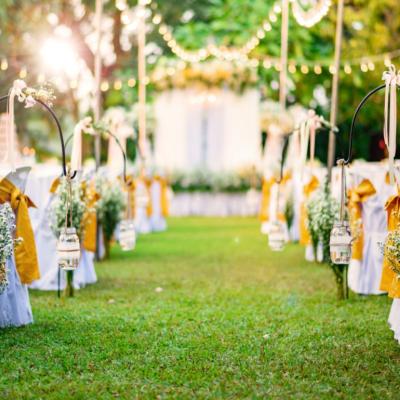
(308, 18)
(340, 238)
(68, 246)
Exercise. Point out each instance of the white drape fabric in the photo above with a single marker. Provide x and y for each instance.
(217, 130)
(394, 319)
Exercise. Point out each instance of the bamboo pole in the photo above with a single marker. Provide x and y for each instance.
(335, 86)
(97, 79)
(284, 53)
(142, 82)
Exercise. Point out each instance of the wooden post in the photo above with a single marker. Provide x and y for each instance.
(142, 81)
(284, 53)
(97, 104)
(97, 79)
(335, 86)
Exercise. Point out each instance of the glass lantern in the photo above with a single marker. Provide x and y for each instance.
(340, 243)
(127, 235)
(68, 249)
(276, 236)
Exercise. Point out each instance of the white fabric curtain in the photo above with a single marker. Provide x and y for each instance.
(217, 130)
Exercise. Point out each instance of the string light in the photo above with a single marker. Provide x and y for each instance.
(104, 86)
(304, 69)
(4, 64)
(318, 69)
(220, 52)
(347, 68)
(23, 73)
(118, 85)
(312, 16)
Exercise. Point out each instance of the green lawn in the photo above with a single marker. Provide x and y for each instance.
(233, 321)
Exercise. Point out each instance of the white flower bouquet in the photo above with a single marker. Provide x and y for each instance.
(7, 221)
(391, 250)
(110, 206)
(322, 210)
(58, 207)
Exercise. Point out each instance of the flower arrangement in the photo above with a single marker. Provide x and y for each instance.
(58, 207)
(119, 121)
(7, 226)
(391, 250)
(236, 76)
(322, 210)
(207, 181)
(273, 116)
(110, 207)
(30, 96)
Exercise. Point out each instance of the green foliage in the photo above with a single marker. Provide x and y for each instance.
(234, 321)
(75, 203)
(110, 206)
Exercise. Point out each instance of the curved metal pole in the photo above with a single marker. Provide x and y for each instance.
(353, 122)
(64, 165)
(69, 138)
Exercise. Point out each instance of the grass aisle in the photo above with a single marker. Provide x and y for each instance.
(233, 321)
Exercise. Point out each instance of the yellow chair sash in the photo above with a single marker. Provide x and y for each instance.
(266, 197)
(91, 197)
(55, 185)
(164, 195)
(25, 252)
(308, 189)
(130, 188)
(390, 282)
(356, 197)
(148, 182)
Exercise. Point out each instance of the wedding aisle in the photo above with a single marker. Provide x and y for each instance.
(204, 310)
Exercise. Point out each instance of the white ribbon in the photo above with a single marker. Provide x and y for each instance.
(308, 129)
(392, 79)
(85, 125)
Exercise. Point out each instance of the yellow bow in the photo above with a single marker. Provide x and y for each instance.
(308, 189)
(390, 282)
(356, 197)
(164, 195)
(25, 253)
(55, 185)
(89, 223)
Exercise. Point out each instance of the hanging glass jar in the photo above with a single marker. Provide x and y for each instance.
(68, 249)
(340, 239)
(127, 231)
(340, 243)
(276, 230)
(276, 236)
(68, 245)
(127, 235)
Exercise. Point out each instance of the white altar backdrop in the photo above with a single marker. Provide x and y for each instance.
(217, 130)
